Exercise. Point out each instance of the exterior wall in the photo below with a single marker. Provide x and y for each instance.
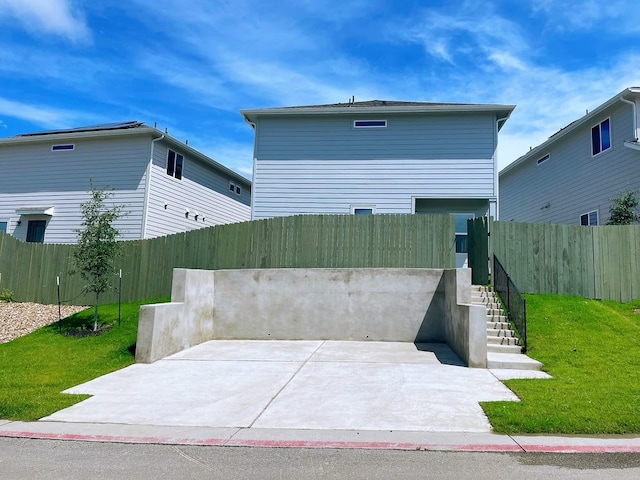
(33, 175)
(203, 190)
(322, 164)
(572, 181)
(401, 305)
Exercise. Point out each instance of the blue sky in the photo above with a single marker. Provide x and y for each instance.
(191, 65)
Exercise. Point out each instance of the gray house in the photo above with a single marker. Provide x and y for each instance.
(165, 185)
(376, 157)
(572, 177)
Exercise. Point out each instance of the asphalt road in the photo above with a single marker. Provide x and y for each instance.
(67, 460)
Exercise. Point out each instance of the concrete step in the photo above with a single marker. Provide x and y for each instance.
(481, 288)
(498, 348)
(486, 302)
(503, 340)
(515, 361)
(497, 332)
(499, 325)
(497, 318)
(503, 345)
(483, 295)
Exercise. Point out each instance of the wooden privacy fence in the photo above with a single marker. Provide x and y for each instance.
(304, 241)
(595, 262)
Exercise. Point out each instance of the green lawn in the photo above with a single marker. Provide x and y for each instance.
(592, 349)
(34, 369)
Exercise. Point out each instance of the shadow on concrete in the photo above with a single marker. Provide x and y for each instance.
(432, 326)
(443, 353)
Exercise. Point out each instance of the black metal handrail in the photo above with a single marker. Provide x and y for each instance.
(512, 299)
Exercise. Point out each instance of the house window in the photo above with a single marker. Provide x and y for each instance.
(234, 188)
(601, 137)
(543, 159)
(589, 218)
(369, 123)
(363, 209)
(63, 148)
(175, 162)
(35, 231)
(461, 231)
(3, 227)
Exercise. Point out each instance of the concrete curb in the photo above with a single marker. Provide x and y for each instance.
(335, 439)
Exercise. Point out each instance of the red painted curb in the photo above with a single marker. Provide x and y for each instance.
(326, 444)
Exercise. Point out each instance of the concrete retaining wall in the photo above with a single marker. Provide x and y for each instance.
(391, 304)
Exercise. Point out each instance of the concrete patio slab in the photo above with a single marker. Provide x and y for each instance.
(295, 385)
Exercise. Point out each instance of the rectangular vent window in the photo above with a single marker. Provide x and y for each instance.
(59, 148)
(369, 123)
(543, 159)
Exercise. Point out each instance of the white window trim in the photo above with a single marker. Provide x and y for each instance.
(175, 163)
(599, 125)
(355, 123)
(363, 206)
(588, 218)
(235, 187)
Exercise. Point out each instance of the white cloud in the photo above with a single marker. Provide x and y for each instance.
(581, 15)
(471, 32)
(549, 99)
(45, 117)
(55, 17)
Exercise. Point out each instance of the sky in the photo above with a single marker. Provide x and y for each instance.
(190, 65)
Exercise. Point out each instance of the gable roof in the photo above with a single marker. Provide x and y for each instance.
(380, 107)
(132, 127)
(541, 149)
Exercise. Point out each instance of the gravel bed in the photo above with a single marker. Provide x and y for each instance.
(18, 319)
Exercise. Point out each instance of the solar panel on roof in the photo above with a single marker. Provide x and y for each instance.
(89, 128)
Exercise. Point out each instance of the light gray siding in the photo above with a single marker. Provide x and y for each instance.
(572, 182)
(202, 191)
(435, 136)
(289, 188)
(33, 175)
(322, 164)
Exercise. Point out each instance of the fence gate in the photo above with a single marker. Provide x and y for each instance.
(478, 238)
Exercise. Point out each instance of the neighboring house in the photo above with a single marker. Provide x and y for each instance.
(377, 157)
(572, 177)
(164, 185)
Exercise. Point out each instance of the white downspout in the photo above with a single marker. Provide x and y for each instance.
(254, 159)
(495, 169)
(147, 188)
(635, 117)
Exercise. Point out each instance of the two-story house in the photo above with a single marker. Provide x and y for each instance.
(573, 176)
(376, 157)
(164, 185)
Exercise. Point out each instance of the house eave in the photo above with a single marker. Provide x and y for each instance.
(55, 137)
(144, 130)
(536, 151)
(502, 111)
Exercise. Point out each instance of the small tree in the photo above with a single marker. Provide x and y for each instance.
(97, 246)
(624, 210)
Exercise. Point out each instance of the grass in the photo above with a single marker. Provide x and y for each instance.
(34, 369)
(592, 349)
